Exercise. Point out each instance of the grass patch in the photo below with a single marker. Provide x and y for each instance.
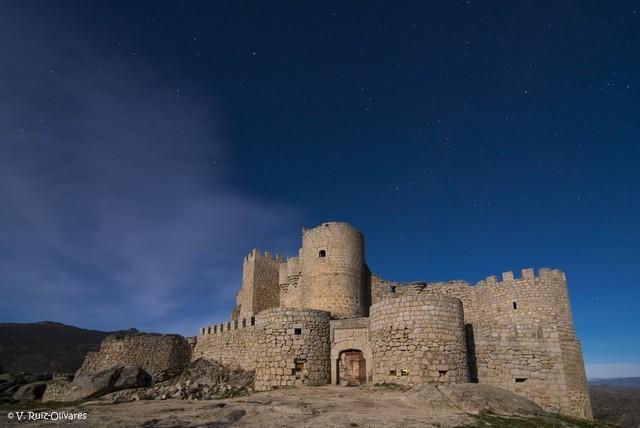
(392, 386)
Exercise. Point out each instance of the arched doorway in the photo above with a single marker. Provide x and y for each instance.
(352, 368)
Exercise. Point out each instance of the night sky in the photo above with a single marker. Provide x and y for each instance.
(145, 148)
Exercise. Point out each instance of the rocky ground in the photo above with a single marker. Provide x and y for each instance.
(201, 380)
(326, 406)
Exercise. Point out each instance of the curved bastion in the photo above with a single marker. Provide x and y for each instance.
(293, 349)
(419, 339)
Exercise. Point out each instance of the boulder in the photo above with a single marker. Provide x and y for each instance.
(474, 399)
(96, 384)
(200, 380)
(30, 391)
(8, 389)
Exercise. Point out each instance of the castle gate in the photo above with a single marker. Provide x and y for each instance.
(351, 357)
(352, 369)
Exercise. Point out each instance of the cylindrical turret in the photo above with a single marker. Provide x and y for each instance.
(333, 270)
(294, 348)
(419, 339)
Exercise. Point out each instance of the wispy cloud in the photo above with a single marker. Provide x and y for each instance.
(116, 208)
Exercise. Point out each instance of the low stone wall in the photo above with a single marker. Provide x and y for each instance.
(419, 339)
(234, 348)
(293, 348)
(153, 352)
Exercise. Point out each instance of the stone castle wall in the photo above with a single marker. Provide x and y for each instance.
(524, 327)
(520, 336)
(153, 352)
(260, 288)
(333, 270)
(284, 346)
(232, 344)
(293, 348)
(382, 289)
(419, 339)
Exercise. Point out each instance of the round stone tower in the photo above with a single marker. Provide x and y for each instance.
(333, 270)
(293, 348)
(419, 339)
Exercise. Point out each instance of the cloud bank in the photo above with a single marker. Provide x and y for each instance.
(116, 208)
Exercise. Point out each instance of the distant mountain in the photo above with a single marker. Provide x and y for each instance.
(622, 382)
(47, 346)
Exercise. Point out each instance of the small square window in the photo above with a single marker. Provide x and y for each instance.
(297, 331)
(322, 253)
(392, 373)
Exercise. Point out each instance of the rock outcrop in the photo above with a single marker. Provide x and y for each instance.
(30, 391)
(201, 380)
(96, 384)
(23, 386)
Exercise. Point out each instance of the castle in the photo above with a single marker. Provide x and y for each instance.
(324, 318)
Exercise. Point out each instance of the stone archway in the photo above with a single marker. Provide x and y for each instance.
(356, 360)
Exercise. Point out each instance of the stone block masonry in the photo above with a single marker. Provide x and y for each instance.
(293, 348)
(520, 336)
(260, 287)
(232, 344)
(524, 326)
(333, 270)
(153, 352)
(419, 339)
(284, 346)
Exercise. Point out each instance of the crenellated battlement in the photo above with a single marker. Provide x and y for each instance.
(528, 274)
(257, 253)
(228, 326)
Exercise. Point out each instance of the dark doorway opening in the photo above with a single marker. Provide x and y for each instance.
(471, 353)
(352, 368)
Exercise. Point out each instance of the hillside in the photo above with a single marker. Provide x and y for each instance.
(46, 346)
(621, 382)
(616, 405)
